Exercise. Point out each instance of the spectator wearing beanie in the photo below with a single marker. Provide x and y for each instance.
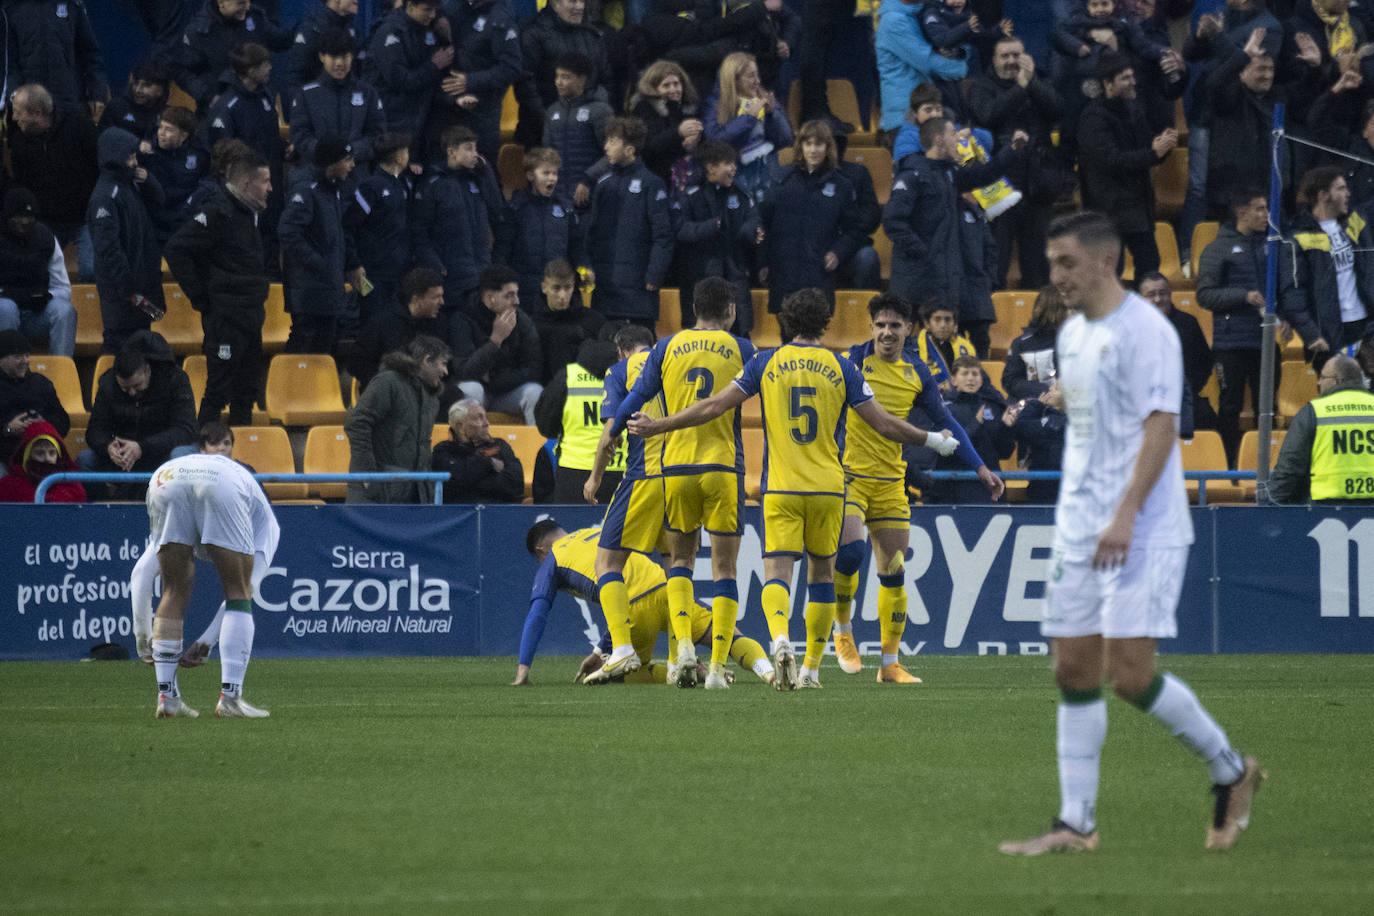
(35, 294)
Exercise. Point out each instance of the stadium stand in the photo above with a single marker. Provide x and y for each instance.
(303, 390)
(61, 371)
(1247, 459)
(267, 449)
(1204, 452)
(181, 324)
(1297, 386)
(194, 367)
(1013, 314)
(327, 452)
(89, 329)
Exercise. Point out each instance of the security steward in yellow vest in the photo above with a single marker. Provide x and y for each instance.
(569, 410)
(1328, 454)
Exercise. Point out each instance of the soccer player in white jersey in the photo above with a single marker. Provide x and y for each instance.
(215, 439)
(210, 504)
(1121, 540)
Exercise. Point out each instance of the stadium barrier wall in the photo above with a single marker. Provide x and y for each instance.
(454, 580)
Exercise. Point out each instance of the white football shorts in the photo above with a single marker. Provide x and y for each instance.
(196, 503)
(1139, 599)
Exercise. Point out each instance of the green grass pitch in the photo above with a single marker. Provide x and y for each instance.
(428, 785)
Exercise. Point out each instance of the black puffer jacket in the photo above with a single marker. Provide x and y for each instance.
(33, 392)
(796, 248)
(1230, 267)
(127, 260)
(398, 65)
(317, 251)
(1314, 309)
(24, 260)
(326, 107)
(543, 40)
(52, 43)
(160, 418)
(216, 256)
(1114, 161)
(60, 166)
(201, 63)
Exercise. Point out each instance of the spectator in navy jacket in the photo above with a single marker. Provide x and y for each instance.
(319, 254)
(810, 222)
(557, 29)
(404, 63)
(718, 228)
(457, 209)
(863, 269)
(128, 265)
(51, 42)
(137, 110)
(629, 238)
(337, 104)
(379, 218)
(178, 161)
(303, 61)
(575, 126)
(486, 63)
(540, 225)
(202, 60)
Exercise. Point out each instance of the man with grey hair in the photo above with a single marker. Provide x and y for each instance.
(53, 154)
(1328, 454)
(390, 427)
(484, 467)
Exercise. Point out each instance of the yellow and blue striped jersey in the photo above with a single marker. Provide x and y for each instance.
(899, 386)
(642, 457)
(687, 367)
(804, 389)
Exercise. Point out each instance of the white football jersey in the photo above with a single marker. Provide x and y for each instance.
(1115, 372)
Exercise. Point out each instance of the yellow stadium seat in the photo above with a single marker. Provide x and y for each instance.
(844, 104)
(1170, 180)
(669, 312)
(510, 115)
(90, 329)
(181, 325)
(1204, 234)
(61, 371)
(1291, 349)
(75, 440)
(276, 325)
(1204, 452)
(994, 368)
(1297, 386)
(327, 452)
(510, 166)
(105, 362)
(1013, 307)
(883, 245)
(194, 367)
(751, 413)
(440, 433)
(268, 450)
(878, 161)
(178, 96)
(1185, 300)
(303, 390)
(794, 106)
(526, 442)
(1248, 457)
(786, 155)
(753, 460)
(1167, 243)
(766, 331)
(849, 325)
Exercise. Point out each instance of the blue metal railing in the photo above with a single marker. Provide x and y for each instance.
(438, 478)
(1200, 476)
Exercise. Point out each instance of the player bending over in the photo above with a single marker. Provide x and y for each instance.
(875, 483)
(206, 504)
(215, 439)
(805, 389)
(567, 562)
(1121, 537)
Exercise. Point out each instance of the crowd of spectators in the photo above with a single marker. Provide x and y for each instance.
(363, 173)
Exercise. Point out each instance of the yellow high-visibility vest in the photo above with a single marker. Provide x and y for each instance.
(582, 422)
(1343, 447)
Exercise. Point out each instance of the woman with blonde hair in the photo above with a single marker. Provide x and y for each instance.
(811, 224)
(741, 113)
(666, 101)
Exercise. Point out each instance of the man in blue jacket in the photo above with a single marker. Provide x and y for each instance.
(337, 104)
(202, 59)
(379, 219)
(405, 62)
(128, 265)
(51, 42)
(319, 254)
(303, 61)
(906, 60)
(486, 63)
(629, 242)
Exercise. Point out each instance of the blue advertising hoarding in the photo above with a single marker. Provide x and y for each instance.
(451, 580)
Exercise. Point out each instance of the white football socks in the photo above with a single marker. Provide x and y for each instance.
(1179, 708)
(235, 648)
(166, 655)
(1082, 729)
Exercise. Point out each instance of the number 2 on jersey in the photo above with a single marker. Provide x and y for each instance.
(704, 380)
(805, 430)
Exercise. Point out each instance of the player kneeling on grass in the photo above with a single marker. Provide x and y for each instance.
(206, 504)
(567, 562)
(1121, 538)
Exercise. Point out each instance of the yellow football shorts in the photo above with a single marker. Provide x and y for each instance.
(794, 523)
(880, 503)
(634, 519)
(709, 500)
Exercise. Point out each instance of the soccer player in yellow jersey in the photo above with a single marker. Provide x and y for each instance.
(567, 563)
(703, 467)
(875, 484)
(634, 519)
(805, 389)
